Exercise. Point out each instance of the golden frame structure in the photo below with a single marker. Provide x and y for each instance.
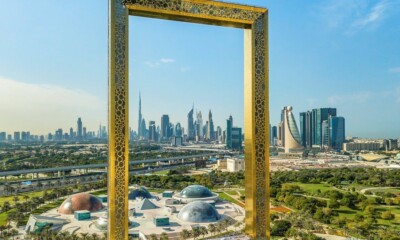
(254, 21)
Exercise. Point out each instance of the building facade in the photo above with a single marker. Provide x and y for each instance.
(292, 139)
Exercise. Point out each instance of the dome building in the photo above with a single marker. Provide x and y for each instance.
(79, 202)
(102, 223)
(196, 193)
(199, 212)
(139, 192)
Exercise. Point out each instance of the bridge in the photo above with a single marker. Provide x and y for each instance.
(170, 160)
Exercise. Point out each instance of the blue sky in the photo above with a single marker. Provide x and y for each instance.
(329, 53)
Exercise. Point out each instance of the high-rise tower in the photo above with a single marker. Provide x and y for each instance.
(79, 130)
(292, 139)
(199, 127)
(337, 132)
(140, 117)
(210, 127)
(165, 126)
(229, 125)
(191, 130)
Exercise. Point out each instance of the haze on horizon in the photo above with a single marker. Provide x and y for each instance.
(346, 54)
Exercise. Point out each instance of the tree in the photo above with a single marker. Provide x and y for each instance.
(84, 235)
(164, 236)
(185, 234)
(280, 227)
(212, 228)
(153, 237)
(333, 204)
(203, 231)
(195, 232)
(387, 215)
(369, 210)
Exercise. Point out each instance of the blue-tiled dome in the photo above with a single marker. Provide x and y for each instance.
(141, 192)
(199, 212)
(195, 191)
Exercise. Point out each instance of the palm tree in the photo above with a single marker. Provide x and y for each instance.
(14, 232)
(237, 225)
(164, 236)
(185, 234)
(203, 231)
(153, 237)
(195, 232)
(225, 223)
(212, 228)
(95, 236)
(84, 236)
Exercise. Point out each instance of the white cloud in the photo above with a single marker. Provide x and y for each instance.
(154, 64)
(42, 108)
(352, 16)
(394, 70)
(372, 17)
(167, 60)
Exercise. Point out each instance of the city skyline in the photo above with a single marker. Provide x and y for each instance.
(331, 63)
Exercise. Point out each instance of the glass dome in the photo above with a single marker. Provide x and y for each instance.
(80, 201)
(141, 192)
(199, 212)
(196, 191)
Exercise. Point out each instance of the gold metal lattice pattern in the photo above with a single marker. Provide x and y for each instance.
(254, 21)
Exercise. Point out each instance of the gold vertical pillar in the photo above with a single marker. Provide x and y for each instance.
(118, 145)
(256, 132)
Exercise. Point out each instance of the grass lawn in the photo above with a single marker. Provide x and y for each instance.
(231, 192)
(165, 172)
(242, 192)
(347, 212)
(3, 218)
(156, 190)
(21, 197)
(312, 188)
(99, 192)
(389, 190)
(223, 195)
(395, 211)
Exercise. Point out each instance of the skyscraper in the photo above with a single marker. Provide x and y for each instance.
(236, 136)
(71, 134)
(164, 126)
(311, 126)
(140, 117)
(152, 131)
(79, 129)
(199, 128)
(143, 129)
(306, 129)
(337, 132)
(229, 125)
(191, 130)
(178, 130)
(17, 136)
(210, 127)
(318, 116)
(292, 139)
(325, 133)
(274, 135)
(3, 136)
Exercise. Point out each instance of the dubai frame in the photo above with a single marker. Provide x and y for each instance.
(254, 21)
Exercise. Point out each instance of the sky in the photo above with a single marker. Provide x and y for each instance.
(328, 53)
